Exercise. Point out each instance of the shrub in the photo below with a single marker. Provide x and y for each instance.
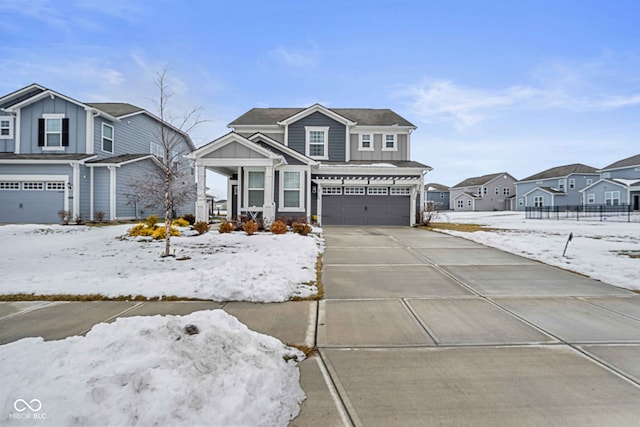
(201, 227)
(151, 221)
(278, 227)
(99, 215)
(140, 230)
(250, 227)
(301, 228)
(160, 233)
(180, 222)
(191, 219)
(226, 227)
(78, 219)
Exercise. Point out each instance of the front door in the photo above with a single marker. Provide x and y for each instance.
(636, 202)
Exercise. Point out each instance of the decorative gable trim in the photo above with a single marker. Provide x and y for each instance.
(316, 108)
(283, 148)
(228, 139)
(610, 181)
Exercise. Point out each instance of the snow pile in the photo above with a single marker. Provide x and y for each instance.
(54, 259)
(149, 371)
(599, 249)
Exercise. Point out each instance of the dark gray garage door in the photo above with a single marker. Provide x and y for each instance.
(365, 210)
(37, 205)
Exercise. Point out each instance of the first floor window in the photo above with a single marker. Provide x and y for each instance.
(291, 189)
(538, 201)
(612, 198)
(460, 203)
(469, 203)
(255, 188)
(366, 142)
(6, 130)
(591, 198)
(107, 138)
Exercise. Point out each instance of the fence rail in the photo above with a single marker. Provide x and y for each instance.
(620, 213)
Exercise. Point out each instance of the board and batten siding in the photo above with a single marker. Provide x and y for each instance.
(30, 114)
(101, 179)
(377, 154)
(8, 145)
(297, 135)
(85, 192)
(234, 150)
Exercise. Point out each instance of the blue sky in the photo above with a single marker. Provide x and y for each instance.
(516, 86)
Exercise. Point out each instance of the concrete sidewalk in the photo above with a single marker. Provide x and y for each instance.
(420, 328)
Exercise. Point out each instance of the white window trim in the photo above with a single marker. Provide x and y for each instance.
(591, 198)
(55, 147)
(354, 191)
(10, 120)
(113, 147)
(384, 142)
(245, 188)
(572, 183)
(378, 191)
(611, 196)
(360, 146)
(32, 183)
(9, 185)
(281, 190)
(400, 191)
(55, 186)
(325, 130)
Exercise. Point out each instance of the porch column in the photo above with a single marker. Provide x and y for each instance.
(201, 191)
(319, 205)
(269, 208)
(412, 212)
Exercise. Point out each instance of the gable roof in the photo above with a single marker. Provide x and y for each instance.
(629, 161)
(432, 186)
(479, 180)
(360, 116)
(116, 109)
(561, 171)
(20, 95)
(279, 148)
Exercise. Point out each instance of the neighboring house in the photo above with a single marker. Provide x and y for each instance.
(57, 153)
(437, 196)
(335, 166)
(492, 192)
(558, 186)
(619, 184)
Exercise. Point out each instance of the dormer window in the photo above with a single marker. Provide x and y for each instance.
(53, 132)
(389, 142)
(366, 142)
(317, 142)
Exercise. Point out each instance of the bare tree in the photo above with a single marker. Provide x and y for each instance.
(173, 185)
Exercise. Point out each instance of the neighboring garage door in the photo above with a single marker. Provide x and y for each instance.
(31, 202)
(365, 206)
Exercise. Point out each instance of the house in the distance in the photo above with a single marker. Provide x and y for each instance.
(557, 186)
(492, 192)
(60, 154)
(436, 196)
(333, 165)
(619, 184)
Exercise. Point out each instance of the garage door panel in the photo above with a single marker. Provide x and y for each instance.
(365, 209)
(40, 206)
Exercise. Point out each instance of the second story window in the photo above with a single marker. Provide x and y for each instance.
(561, 184)
(389, 143)
(156, 150)
(53, 132)
(6, 129)
(572, 183)
(107, 138)
(317, 143)
(366, 142)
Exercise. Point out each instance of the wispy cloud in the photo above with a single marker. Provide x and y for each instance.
(445, 101)
(298, 58)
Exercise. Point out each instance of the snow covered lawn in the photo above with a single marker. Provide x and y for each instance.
(150, 371)
(54, 259)
(607, 251)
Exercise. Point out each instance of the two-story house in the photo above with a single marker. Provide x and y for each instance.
(436, 196)
(492, 192)
(60, 154)
(619, 184)
(331, 165)
(557, 186)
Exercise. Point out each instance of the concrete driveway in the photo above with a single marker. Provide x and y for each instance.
(421, 328)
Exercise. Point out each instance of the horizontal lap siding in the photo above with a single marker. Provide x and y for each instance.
(129, 176)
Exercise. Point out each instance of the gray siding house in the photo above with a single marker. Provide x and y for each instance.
(436, 196)
(492, 192)
(57, 153)
(619, 184)
(332, 166)
(558, 186)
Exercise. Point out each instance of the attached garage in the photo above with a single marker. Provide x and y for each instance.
(32, 201)
(366, 206)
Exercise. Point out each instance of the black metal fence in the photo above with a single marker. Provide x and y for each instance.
(619, 213)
